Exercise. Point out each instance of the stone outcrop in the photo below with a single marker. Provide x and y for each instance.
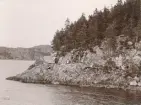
(101, 68)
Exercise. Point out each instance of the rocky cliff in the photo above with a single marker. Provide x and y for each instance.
(101, 66)
(25, 53)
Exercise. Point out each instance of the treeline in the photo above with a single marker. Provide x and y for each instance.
(123, 18)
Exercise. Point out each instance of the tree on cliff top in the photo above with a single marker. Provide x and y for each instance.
(86, 33)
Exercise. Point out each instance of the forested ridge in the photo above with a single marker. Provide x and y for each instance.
(122, 18)
(25, 53)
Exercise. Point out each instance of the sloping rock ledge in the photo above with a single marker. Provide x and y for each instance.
(76, 74)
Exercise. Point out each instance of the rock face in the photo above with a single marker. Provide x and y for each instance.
(103, 68)
(25, 53)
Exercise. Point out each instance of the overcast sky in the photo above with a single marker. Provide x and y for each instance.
(26, 23)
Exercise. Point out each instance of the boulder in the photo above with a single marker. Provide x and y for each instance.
(133, 83)
(139, 84)
(136, 78)
(130, 43)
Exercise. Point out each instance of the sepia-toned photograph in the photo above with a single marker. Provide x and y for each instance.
(70, 52)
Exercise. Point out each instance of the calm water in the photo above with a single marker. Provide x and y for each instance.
(16, 93)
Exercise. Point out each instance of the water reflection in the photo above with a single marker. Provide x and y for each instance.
(98, 96)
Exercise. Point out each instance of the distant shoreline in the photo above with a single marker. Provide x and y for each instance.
(15, 60)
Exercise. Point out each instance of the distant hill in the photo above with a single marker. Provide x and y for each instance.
(25, 53)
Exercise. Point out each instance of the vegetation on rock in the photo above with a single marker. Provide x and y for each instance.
(123, 18)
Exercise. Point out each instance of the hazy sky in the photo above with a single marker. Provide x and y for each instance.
(26, 23)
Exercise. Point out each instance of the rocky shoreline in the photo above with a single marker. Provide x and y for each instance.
(101, 68)
(131, 88)
(126, 88)
(74, 75)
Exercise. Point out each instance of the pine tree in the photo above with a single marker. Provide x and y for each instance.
(123, 18)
